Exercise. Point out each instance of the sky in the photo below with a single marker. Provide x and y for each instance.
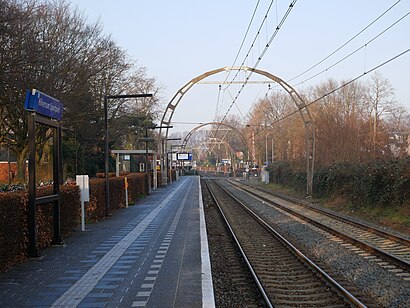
(179, 40)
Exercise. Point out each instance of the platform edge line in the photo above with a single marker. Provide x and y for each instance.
(208, 299)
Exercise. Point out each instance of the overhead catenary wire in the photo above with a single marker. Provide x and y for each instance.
(243, 40)
(258, 95)
(356, 50)
(344, 85)
(186, 123)
(240, 112)
(278, 27)
(252, 44)
(337, 89)
(346, 43)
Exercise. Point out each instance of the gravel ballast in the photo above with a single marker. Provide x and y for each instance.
(386, 287)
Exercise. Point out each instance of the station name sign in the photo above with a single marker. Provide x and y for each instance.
(184, 156)
(43, 104)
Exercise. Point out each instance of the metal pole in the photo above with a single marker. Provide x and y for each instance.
(82, 215)
(169, 165)
(164, 161)
(60, 155)
(8, 164)
(107, 185)
(253, 148)
(126, 191)
(272, 152)
(146, 161)
(32, 234)
(76, 151)
(57, 178)
(117, 165)
(266, 148)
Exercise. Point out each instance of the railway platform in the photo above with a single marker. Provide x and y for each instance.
(152, 254)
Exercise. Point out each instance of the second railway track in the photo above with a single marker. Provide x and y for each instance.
(287, 277)
(393, 249)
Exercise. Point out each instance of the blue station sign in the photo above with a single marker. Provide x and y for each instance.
(184, 156)
(43, 104)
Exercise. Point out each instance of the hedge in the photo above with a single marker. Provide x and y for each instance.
(14, 209)
(14, 225)
(281, 172)
(376, 183)
(96, 207)
(13, 228)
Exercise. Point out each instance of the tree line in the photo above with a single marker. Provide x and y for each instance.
(48, 46)
(360, 122)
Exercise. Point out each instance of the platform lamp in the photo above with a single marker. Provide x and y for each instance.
(167, 167)
(146, 140)
(180, 146)
(107, 185)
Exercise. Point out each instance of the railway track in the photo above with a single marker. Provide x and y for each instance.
(232, 282)
(392, 249)
(283, 274)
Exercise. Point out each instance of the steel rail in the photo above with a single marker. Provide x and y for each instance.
(348, 296)
(361, 225)
(375, 250)
(248, 264)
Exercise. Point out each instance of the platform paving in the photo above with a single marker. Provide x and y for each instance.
(152, 254)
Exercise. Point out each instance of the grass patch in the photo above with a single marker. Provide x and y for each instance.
(282, 189)
(394, 217)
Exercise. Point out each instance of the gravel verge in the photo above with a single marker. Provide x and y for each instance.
(372, 279)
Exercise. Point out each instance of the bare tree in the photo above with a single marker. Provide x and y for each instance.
(269, 118)
(380, 101)
(338, 122)
(47, 46)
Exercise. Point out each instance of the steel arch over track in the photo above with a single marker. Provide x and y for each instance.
(226, 144)
(188, 136)
(297, 99)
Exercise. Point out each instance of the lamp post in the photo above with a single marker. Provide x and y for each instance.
(146, 140)
(106, 160)
(167, 167)
(180, 146)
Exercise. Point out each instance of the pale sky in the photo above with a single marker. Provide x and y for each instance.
(179, 40)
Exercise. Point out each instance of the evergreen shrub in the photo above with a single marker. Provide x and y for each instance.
(376, 183)
(14, 211)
